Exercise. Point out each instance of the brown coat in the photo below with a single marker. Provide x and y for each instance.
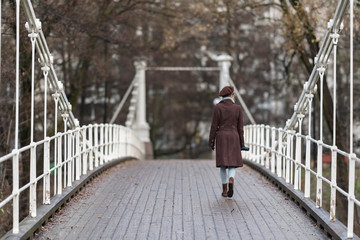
(227, 130)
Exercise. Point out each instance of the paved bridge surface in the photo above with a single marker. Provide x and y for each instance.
(179, 199)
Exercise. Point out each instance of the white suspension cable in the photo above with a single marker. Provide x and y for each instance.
(321, 71)
(319, 189)
(335, 38)
(350, 223)
(45, 72)
(351, 73)
(56, 149)
(127, 93)
(32, 36)
(242, 102)
(17, 72)
(16, 157)
(65, 119)
(308, 149)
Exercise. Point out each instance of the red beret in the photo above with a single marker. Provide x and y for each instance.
(226, 91)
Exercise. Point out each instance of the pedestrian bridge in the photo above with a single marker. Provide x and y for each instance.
(89, 191)
(179, 199)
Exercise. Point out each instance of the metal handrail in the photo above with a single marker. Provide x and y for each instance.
(121, 142)
(282, 160)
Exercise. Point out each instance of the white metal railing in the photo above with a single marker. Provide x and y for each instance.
(74, 153)
(284, 158)
(67, 155)
(281, 149)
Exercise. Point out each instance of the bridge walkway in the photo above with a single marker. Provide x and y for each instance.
(179, 199)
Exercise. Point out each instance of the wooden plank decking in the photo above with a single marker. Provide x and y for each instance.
(179, 199)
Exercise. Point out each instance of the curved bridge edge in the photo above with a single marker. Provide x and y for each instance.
(29, 226)
(335, 230)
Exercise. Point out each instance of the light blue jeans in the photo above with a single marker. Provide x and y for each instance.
(223, 174)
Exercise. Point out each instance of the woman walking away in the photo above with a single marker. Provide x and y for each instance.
(227, 135)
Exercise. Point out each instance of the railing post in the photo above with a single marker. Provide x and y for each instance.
(117, 140)
(56, 96)
(273, 132)
(127, 142)
(251, 142)
(113, 141)
(297, 161)
(96, 144)
(78, 160)
(279, 155)
(110, 142)
(59, 170)
(297, 181)
(120, 146)
(15, 192)
(65, 119)
(47, 171)
(253, 155)
(91, 150)
(318, 175)
(102, 152)
(33, 180)
(308, 149)
(350, 223)
(122, 141)
(267, 148)
(258, 144)
(85, 154)
(292, 159)
(69, 159)
(284, 158)
(262, 144)
(106, 142)
(288, 156)
(246, 139)
(73, 157)
(333, 184)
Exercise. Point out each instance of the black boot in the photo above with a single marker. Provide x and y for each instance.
(231, 187)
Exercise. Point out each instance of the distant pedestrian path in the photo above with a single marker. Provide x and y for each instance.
(179, 199)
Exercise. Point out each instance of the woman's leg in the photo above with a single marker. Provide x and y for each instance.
(223, 180)
(223, 175)
(232, 172)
